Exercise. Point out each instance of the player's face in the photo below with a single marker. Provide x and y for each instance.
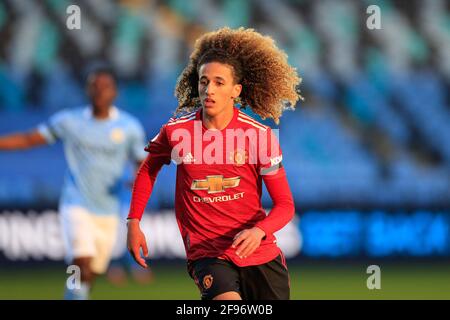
(101, 90)
(216, 87)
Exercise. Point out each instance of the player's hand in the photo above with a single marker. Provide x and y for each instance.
(247, 241)
(135, 241)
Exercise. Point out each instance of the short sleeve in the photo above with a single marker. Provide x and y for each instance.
(55, 127)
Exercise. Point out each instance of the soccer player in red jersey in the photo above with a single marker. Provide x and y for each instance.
(222, 157)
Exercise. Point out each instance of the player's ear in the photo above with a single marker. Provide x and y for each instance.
(237, 89)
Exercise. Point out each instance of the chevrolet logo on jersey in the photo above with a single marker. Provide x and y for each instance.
(215, 184)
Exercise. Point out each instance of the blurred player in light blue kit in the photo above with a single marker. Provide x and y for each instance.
(99, 140)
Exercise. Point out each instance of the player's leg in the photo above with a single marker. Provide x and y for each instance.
(79, 240)
(105, 240)
(140, 275)
(117, 272)
(122, 261)
(269, 281)
(217, 279)
(87, 278)
(84, 263)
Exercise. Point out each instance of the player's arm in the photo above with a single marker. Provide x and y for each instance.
(137, 165)
(142, 189)
(137, 142)
(247, 241)
(283, 209)
(274, 177)
(159, 154)
(135, 241)
(24, 140)
(46, 133)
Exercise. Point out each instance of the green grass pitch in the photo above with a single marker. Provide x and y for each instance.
(309, 280)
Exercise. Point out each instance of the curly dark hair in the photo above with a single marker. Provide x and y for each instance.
(269, 83)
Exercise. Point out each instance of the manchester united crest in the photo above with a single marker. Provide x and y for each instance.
(207, 281)
(238, 157)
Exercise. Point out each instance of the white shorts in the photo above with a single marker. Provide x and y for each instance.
(88, 235)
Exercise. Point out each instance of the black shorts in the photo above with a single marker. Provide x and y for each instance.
(269, 281)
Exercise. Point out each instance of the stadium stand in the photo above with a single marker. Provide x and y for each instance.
(373, 130)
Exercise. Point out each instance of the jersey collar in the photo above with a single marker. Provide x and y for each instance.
(113, 113)
(198, 116)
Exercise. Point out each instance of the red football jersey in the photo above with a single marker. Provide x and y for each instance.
(219, 184)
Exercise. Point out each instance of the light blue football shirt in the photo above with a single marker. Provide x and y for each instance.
(97, 152)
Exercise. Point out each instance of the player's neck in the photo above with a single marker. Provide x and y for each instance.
(100, 113)
(219, 121)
